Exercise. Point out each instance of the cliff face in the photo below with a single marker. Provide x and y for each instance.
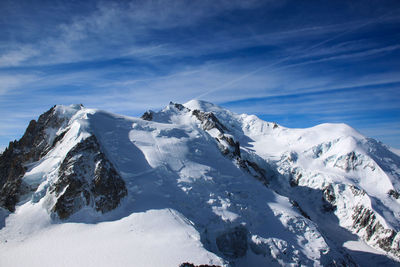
(357, 191)
(85, 176)
(34, 144)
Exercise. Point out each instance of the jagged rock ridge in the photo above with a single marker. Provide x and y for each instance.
(33, 145)
(87, 178)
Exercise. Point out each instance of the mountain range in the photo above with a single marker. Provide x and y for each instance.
(198, 184)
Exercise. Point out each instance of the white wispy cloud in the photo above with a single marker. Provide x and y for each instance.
(16, 56)
(12, 82)
(123, 29)
(174, 56)
(117, 29)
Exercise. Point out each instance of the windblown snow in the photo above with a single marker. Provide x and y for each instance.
(207, 186)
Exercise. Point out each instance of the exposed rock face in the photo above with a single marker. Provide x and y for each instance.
(394, 194)
(294, 177)
(178, 106)
(87, 177)
(349, 161)
(148, 116)
(258, 172)
(34, 144)
(209, 120)
(297, 206)
(233, 243)
(232, 143)
(365, 220)
(329, 199)
(228, 146)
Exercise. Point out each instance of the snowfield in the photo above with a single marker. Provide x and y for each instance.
(151, 238)
(207, 186)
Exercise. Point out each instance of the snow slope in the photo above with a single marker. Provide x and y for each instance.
(140, 239)
(207, 186)
(353, 173)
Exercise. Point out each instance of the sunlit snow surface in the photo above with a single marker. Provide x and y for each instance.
(151, 238)
(183, 193)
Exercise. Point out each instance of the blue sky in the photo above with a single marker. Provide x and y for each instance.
(299, 63)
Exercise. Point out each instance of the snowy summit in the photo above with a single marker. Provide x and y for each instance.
(199, 184)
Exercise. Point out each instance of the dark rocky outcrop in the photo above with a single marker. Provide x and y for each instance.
(329, 199)
(151, 115)
(209, 121)
(357, 191)
(178, 106)
(232, 143)
(365, 219)
(294, 177)
(387, 243)
(34, 144)
(233, 243)
(232, 150)
(394, 193)
(253, 168)
(87, 177)
(348, 162)
(297, 206)
(148, 115)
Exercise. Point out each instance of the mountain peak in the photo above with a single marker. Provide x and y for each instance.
(70, 109)
(202, 105)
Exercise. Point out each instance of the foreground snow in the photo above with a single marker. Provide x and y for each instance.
(151, 238)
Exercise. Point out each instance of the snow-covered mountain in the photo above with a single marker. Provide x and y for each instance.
(195, 183)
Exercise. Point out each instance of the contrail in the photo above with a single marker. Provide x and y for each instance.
(291, 56)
